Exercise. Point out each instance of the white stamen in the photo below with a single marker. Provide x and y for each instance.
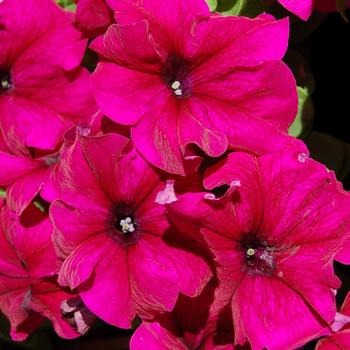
(250, 252)
(175, 85)
(4, 84)
(127, 225)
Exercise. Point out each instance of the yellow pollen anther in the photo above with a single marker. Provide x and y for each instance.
(250, 252)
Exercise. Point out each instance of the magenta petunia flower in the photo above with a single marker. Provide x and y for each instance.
(43, 91)
(28, 267)
(93, 16)
(274, 235)
(340, 339)
(182, 77)
(192, 325)
(121, 254)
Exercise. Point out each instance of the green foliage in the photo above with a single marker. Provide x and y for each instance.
(2, 193)
(39, 205)
(248, 8)
(212, 4)
(67, 4)
(303, 122)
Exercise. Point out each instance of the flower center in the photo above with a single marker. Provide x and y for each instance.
(127, 225)
(176, 76)
(176, 86)
(5, 81)
(259, 256)
(126, 230)
(124, 223)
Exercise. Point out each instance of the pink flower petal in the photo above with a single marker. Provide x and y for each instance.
(19, 115)
(108, 295)
(266, 91)
(302, 9)
(338, 341)
(314, 199)
(136, 92)
(241, 41)
(14, 167)
(93, 16)
(272, 315)
(155, 138)
(46, 299)
(154, 282)
(167, 30)
(74, 225)
(50, 85)
(24, 190)
(124, 175)
(78, 184)
(154, 336)
(32, 244)
(22, 322)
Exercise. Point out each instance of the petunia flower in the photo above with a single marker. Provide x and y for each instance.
(181, 78)
(120, 254)
(43, 91)
(28, 274)
(274, 235)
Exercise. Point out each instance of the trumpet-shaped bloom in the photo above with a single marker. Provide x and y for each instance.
(28, 273)
(182, 77)
(120, 252)
(274, 235)
(43, 91)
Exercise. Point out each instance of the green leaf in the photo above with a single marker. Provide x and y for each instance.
(248, 8)
(212, 4)
(67, 4)
(302, 124)
(2, 193)
(39, 206)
